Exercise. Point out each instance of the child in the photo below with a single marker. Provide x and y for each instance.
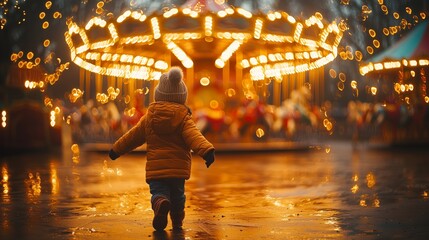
(170, 134)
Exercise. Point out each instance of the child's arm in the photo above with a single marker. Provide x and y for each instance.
(135, 137)
(194, 139)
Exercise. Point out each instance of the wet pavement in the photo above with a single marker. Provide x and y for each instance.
(329, 192)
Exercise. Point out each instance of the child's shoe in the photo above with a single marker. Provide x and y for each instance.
(161, 207)
(177, 219)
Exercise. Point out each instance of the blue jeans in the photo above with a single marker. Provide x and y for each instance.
(171, 188)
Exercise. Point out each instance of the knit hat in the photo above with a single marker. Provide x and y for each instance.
(171, 87)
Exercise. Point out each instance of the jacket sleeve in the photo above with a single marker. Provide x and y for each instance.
(132, 139)
(194, 139)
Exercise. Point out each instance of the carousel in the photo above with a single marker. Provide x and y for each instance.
(398, 76)
(226, 53)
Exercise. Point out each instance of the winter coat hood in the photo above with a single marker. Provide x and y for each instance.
(166, 117)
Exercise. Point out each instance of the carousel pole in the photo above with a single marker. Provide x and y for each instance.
(292, 79)
(321, 81)
(226, 76)
(313, 86)
(276, 93)
(119, 85)
(81, 79)
(316, 86)
(131, 83)
(141, 85)
(98, 82)
(238, 70)
(87, 85)
(285, 85)
(301, 79)
(110, 82)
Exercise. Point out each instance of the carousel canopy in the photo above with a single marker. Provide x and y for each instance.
(410, 51)
(413, 45)
(139, 46)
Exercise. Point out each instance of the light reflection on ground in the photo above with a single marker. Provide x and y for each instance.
(334, 194)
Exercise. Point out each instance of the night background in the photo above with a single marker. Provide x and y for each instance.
(318, 111)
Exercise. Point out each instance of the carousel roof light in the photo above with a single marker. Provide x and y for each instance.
(410, 51)
(137, 46)
(392, 65)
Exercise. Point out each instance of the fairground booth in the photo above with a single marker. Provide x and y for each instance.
(398, 76)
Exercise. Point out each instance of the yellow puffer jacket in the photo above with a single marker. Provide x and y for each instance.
(170, 134)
